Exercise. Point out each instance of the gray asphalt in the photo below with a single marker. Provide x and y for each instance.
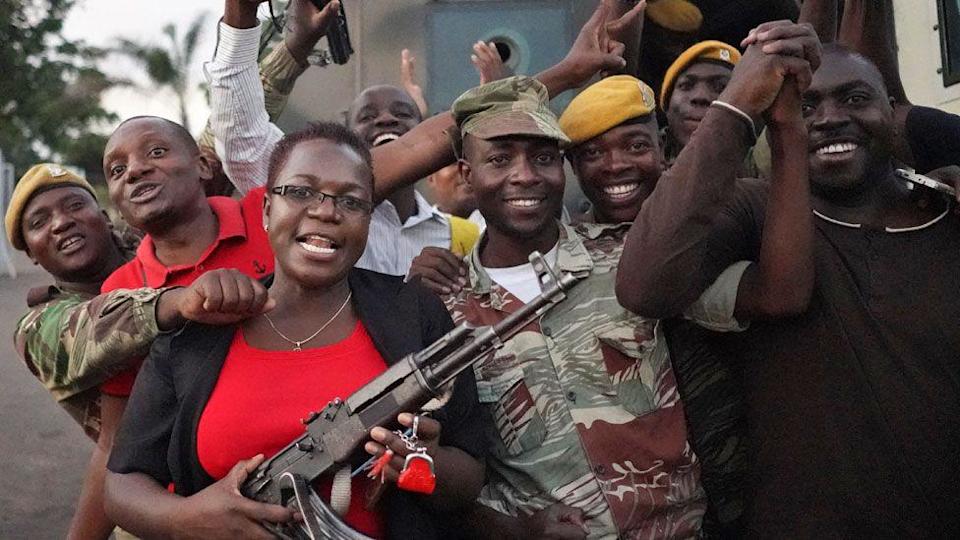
(43, 452)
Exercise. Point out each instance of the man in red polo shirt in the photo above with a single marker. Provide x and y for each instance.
(155, 173)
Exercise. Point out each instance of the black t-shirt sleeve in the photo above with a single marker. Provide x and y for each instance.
(934, 138)
(736, 232)
(142, 442)
(460, 417)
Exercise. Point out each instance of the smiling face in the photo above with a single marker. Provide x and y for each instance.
(849, 119)
(67, 233)
(381, 114)
(518, 183)
(316, 244)
(697, 87)
(619, 168)
(154, 173)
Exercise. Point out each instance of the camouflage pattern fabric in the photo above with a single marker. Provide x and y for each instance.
(72, 342)
(583, 403)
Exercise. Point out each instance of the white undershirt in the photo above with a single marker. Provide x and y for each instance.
(521, 281)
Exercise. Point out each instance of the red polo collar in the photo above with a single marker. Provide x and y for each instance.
(231, 225)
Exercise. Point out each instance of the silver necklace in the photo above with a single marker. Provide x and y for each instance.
(297, 345)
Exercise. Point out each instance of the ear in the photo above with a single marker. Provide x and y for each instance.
(106, 217)
(463, 167)
(204, 167)
(266, 212)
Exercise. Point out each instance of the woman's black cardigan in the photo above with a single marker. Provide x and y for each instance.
(158, 433)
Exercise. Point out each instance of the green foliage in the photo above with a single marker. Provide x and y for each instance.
(168, 66)
(50, 87)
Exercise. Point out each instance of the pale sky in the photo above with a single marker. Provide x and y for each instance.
(100, 22)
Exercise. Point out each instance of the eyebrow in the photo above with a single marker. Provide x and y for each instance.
(343, 184)
(402, 104)
(841, 89)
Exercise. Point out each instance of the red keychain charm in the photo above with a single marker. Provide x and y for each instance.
(417, 475)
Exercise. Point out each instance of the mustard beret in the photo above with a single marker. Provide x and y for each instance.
(705, 50)
(39, 178)
(605, 105)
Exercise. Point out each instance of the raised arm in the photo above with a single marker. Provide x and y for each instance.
(823, 15)
(868, 27)
(626, 26)
(664, 265)
(240, 120)
(279, 70)
(780, 282)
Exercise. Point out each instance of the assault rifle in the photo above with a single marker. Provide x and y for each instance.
(334, 435)
(338, 35)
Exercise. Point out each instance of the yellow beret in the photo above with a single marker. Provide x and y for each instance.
(605, 105)
(39, 178)
(705, 50)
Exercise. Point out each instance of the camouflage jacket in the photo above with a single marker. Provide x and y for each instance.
(584, 402)
(72, 342)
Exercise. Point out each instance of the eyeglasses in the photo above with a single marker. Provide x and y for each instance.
(304, 195)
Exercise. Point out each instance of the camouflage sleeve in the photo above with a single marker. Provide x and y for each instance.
(279, 71)
(73, 343)
(714, 310)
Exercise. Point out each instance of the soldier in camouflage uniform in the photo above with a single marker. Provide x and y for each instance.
(584, 406)
(71, 339)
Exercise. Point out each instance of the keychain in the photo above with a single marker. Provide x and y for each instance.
(417, 475)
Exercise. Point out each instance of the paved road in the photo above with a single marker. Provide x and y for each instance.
(43, 453)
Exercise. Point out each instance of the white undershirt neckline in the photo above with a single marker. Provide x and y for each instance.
(521, 281)
(888, 229)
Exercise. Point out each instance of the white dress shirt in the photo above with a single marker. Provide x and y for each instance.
(392, 246)
(245, 138)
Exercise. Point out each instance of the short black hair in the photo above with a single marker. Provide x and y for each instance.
(838, 49)
(327, 131)
(178, 131)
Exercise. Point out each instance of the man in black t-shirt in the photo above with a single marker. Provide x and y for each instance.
(851, 402)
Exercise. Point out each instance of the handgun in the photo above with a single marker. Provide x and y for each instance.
(338, 35)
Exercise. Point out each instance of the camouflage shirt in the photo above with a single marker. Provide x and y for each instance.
(584, 403)
(75, 341)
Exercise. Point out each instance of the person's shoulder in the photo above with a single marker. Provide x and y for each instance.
(922, 117)
(128, 276)
(603, 242)
(364, 279)
(43, 302)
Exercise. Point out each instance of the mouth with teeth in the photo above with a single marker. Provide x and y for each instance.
(843, 149)
(144, 193)
(317, 244)
(835, 152)
(71, 244)
(524, 203)
(620, 191)
(384, 138)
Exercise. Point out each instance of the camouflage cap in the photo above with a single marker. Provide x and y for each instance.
(513, 106)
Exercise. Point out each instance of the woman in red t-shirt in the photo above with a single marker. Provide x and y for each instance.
(210, 402)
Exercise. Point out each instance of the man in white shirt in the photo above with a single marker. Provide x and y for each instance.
(405, 223)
